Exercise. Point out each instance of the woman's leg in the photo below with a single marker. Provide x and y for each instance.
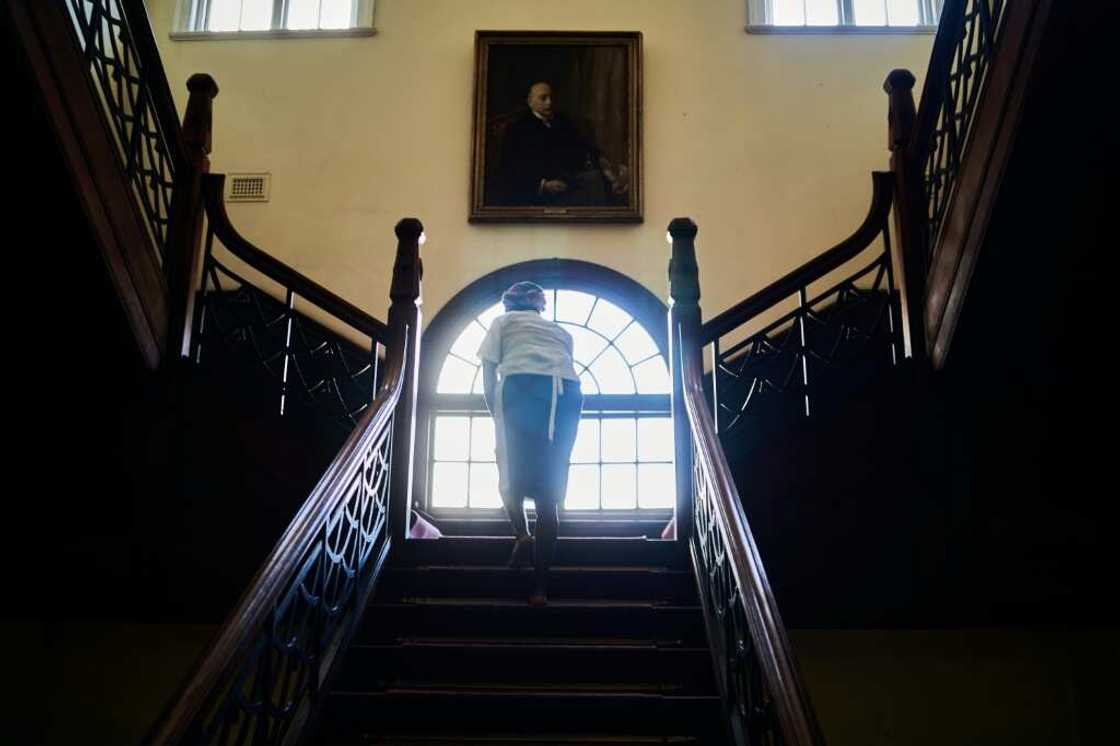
(555, 486)
(548, 529)
(522, 542)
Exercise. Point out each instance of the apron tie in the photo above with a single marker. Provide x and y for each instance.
(557, 389)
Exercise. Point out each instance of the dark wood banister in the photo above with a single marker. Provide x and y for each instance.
(230, 646)
(768, 633)
(810, 271)
(281, 273)
(796, 720)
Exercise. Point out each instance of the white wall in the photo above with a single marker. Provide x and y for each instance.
(766, 141)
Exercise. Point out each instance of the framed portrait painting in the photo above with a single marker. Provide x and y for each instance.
(557, 127)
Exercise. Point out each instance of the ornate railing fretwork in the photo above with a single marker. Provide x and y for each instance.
(764, 699)
(135, 103)
(790, 369)
(303, 359)
(265, 675)
(952, 91)
(750, 705)
(292, 649)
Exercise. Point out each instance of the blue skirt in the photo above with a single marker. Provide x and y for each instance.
(536, 467)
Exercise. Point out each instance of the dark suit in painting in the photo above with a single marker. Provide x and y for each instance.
(534, 152)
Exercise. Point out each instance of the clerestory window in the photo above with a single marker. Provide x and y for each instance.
(249, 18)
(623, 456)
(842, 15)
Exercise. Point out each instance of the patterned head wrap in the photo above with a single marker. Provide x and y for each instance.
(524, 296)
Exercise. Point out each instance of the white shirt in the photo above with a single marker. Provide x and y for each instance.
(523, 342)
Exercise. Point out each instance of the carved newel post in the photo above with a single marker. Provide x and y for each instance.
(404, 327)
(182, 264)
(910, 259)
(684, 333)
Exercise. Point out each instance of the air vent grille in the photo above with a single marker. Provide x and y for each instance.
(248, 187)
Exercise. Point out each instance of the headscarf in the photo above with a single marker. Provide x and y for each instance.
(524, 296)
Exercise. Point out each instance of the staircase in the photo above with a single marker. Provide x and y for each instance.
(450, 652)
(352, 632)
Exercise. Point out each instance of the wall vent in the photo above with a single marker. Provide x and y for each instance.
(248, 187)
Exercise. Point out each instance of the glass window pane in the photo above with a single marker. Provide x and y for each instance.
(587, 383)
(652, 377)
(636, 344)
(478, 386)
(656, 486)
(303, 14)
(449, 485)
(484, 486)
(618, 440)
(620, 487)
(822, 13)
(586, 449)
(586, 344)
(613, 374)
(608, 319)
(573, 306)
(490, 314)
(256, 15)
(655, 439)
(870, 12)
(466, 346)
(549, 304)
(902, 12)
(225, 15)
(482, 439)
(335, 14)
(789, 13)
(456, 377)
(583, 488)
(450, 441)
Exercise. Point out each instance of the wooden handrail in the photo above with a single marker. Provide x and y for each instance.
(784, 712)
(810, 271)
(274, 269)
(231, 645)
(794, 711)
(388, 416)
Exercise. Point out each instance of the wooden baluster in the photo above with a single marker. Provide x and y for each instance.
(911, 260)
(184, 231)
(684, 336)
(404, 326)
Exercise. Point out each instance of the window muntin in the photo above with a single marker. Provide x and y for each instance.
(209, 17)
(842, 14)
(623, 455)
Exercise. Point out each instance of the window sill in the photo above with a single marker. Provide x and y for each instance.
(340, 33)
(842, 30)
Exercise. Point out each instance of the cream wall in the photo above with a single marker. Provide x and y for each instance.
(766, 141)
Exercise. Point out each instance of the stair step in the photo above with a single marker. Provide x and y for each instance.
(567, 582)
(575, 527)
(639, 667)
(488, 550)
(498, 619)
(589, 739)
(446, 712)
(496, 739)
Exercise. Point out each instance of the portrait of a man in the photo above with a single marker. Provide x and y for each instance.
(557, 135)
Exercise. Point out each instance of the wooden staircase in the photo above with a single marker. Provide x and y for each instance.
(450, 651)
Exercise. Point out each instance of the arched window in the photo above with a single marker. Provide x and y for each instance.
(622, 460)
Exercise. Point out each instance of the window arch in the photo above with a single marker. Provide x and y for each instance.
(622, 460)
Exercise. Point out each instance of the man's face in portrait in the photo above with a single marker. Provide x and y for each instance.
(540, 100)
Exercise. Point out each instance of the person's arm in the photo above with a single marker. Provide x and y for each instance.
(490, 353)
(489, 383)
